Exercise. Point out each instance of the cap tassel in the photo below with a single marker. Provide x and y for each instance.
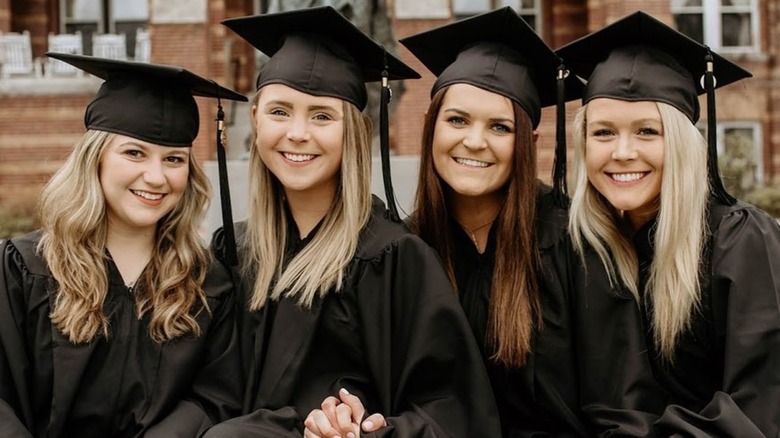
(384, 146)
(716, 185)
(231, 255)
(560, 192)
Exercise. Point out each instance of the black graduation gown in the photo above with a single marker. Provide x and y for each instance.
(394, 335)
(725, 380)
(126, 386)
(541, 397)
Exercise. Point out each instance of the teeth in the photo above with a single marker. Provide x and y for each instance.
(147, 195)
(627, 177)
(298, 158)
(471, 163)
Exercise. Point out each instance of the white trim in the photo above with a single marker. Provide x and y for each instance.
(712, 12)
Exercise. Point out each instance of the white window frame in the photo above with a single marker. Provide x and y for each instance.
(711, 12)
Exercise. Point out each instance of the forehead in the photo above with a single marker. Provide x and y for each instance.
(470, 98)
(286, 94)
(120, 140)
(606, 109)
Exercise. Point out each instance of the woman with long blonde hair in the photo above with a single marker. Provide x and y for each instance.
(114, 321)
(697, 269)
(337, 299)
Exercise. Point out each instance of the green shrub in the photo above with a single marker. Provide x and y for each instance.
(765, 198)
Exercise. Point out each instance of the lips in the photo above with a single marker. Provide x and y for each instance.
(298, 158)
(468, 162)
(627, 177)
(148, 195)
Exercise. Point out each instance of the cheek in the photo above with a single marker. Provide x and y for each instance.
(178, 179)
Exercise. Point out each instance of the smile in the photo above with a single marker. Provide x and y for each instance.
(147, 195)
(299, 158)
(627, 177)
(471, 163)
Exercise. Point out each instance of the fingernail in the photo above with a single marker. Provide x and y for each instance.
(350, 435)
(344, 391)
(368, 425)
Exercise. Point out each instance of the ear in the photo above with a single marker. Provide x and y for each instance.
(536, 136)
(254, 111)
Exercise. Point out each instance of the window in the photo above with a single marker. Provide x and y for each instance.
(530, 10)
(727, 26)
(742, 143)
(104, 16)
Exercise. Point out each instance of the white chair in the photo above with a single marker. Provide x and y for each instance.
(143, 46)
(64, 43)
(16, 55)
(111, 46)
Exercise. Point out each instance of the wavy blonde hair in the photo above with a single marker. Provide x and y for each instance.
(320, 266)
(73, 217)
(681, 230)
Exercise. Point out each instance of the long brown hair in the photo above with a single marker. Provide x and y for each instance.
(515, 308)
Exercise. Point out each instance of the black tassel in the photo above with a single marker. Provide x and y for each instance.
(231, 255)
(560, 192)
(384, 147)
(716, 185)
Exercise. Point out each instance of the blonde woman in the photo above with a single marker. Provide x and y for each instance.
(701, 268)
(336, 299)
(113, 319)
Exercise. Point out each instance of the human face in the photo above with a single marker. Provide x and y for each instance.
(300, 139)
(624, 155)
(141, 182)
(474, 141)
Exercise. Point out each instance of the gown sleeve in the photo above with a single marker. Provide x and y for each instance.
(428, 373)
(14, 396)
(746, 281)
(216, 390)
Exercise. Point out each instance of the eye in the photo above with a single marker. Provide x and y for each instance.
(456, 121)
(176, 159)
(278, 112)
(602, 132)
(502, 128)
(322, 117)
(134, 153)
(648, 131)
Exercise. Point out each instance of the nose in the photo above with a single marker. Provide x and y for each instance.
(624, 149)
(154, 174)
(299, 130)
(475, 138)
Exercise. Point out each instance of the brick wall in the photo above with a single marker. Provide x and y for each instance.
(5, 15)
(33, 15)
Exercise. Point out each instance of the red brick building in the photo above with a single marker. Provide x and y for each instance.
(41, 117)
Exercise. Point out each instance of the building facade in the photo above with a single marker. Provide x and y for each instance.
(41, 114)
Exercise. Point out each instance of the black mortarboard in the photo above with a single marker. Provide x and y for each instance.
(499, 52)
(154, 103)
(150, 102)
(319, 52)
(640, 58)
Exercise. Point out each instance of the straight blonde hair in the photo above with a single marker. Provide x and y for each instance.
(321, 265)
(681, 231)
(73, 218)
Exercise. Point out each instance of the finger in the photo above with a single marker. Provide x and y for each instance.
(329, 409)
(345, 423)
(374, 422)
(354, 403)
(319, 424)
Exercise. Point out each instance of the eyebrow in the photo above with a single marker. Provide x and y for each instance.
(466, 114)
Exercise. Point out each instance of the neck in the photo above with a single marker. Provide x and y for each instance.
(476, 215)
(308, 209)
(130, 250)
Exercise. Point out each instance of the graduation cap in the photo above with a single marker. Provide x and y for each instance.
(499, 52)
(319, 52)
(639, 58)
(153, 103)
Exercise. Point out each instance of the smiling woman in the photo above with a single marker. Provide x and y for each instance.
(114, 319)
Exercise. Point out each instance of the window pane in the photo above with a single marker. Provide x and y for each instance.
(735, 30)
(468, 7)
(735, 2)
(685, 3)
(86, 29)
(528, 4)
(531, 20)
(125, 10)
(82, 10)
(691, 25)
